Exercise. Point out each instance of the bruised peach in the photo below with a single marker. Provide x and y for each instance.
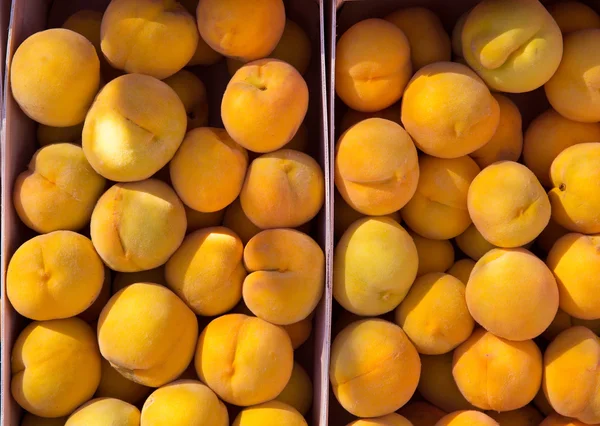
(270, 413)
(448, 110)
(102, 411)
(298, 393)
(467, 418)
(573, 16)
(434, 255)
(437, 384)
(114, 385)
(192, 92)
(462, 270)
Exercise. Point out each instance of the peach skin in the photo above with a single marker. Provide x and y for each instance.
(573, 16)
(434, 255)
(270, 413)
(392, 419)
(467, 418)
(102, 411)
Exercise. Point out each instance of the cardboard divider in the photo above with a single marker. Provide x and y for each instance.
(18, 143)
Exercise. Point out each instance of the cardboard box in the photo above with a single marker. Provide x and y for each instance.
(19, 143)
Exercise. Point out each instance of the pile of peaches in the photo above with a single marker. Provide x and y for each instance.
(470, 246)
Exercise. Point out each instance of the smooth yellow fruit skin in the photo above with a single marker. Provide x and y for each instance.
(467, 418)
(514, 45)
(434, 255)
(437, 384)
(298, 393)
(236, 220)
(352, 117)
(299, 332)
(54, 276)
(54, 77)
(462, 270)
(472, 243)
(74, 366)
(103, 411)
(389, 420)
(571, 16)
(270, 414)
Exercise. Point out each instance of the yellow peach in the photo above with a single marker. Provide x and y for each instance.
(299, 332)
(346, 216)
(133, 128)
(283, 189)
(525, 416)
(438, 210)
(206, 271)
(183, 403)
(514, 312)
(264, 104)
(462, 270)
(241, 30)
(136, 312)
(434, 255)
(50, 355)
(448, 110)
(575, 262)
(371, 383)
(376, 167)
(192, 92)
(58, 190)
(286, 275)
(208, 170)
(434, 314)
(514, 45)
(575, 193)
(270, 414)
(103, 411)
(87, 23)
(573, 16)
(148, 37)
(392, 419)
(114, 385)
(352, 117)
(123, 279)
(507, 142)
(426, 35)
(375, 263)
(542, 404)
(496, 374)
(437, 384)
(571, 376)
(298, 392)
(53, 276)
(472, 243)
(421, 413)
(573, 89)
(204, 54)
(548, 135)
(558, 420)
(137, 226)
(467, 418)
(236, 220)
(31, 420)
(508, 205)
(236, 368)
(47, 135)
(54, 77)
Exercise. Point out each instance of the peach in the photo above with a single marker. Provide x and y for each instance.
(575, 262)
(551, 233)
(448, 110)
(558, 420)
(299, 332)
(457, 36)
(92, 313)
(58, 190)
(54, 77)
(183, 403)
(525, 416)
(286, 275)
(197, 220)
(507, 142)
(392, 419)
(573, 16)
(508, 205)
(87, 23)
(542, 404)
(293, 48)
(136, 312)
(241, 30)
(372, 65)
(115, 385)
(376, 167)
(437, 384)
(438, 210)
(137, 226)
(103, 411)
(514, 45)
(148, 37)
(352, 117)
(208, 170)
(426, 35)
(372, 383)
(548, 135)
(571, 376)
(192, 92)
(497, 303)
(467, 418)
(133, 128)
(497, 374)
(244, 360)
(298, 392)
(204, 54)
(236, 220)
(462, 270)
(434, 314)
(573, 89)
(53, 276)
(206, 271)
(421, 413)
(472, 243)
(73, 366)
(283, 189)
(123, 279)
(346, 216)
(47, 135)
(575, 193)
(31, 420)
(434, 255)
(562, 321)
(264, 104)
(375, 263)
(272, 413)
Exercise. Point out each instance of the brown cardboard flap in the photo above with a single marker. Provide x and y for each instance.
(19, 142)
